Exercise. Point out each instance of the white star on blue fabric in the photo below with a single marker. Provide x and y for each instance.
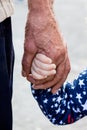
(79, 96)
(45, 101)
(61, 122)
(57, 111)
(56, 105)
(73, 87)
(84, 92)
(81, 82)
(53, 99)
(49, 116)
(63, 111)
(59, 99)
(53, 120)
(85, 106)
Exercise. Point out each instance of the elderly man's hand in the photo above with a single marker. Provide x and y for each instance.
(43, 36)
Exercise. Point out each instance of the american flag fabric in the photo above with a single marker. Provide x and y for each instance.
(68, 105)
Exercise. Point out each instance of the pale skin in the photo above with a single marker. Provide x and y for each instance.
(42, 35)
(42, 67)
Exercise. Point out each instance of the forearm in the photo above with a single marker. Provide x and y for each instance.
(40, 13)
(68, 104)
(40, 5)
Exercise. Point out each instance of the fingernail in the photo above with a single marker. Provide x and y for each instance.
(33, 85)
(54, 66)
(23, 74)
(54, 91)
(50, 61)
(54, 71)
(30, 75)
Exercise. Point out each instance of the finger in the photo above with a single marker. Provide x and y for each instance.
(23, 73)
(60, 83)
(56, 79)
(40, 81)
(26, 64)
(31, 79)
(28, 56)
(43, 66)
(60, 72)
(37, 75)
(43, 58)
(41, 71)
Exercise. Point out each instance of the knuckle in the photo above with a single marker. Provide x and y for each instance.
(29, 47)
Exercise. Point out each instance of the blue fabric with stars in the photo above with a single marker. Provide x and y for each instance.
(68, 105)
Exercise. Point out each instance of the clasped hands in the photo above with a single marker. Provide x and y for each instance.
(42, 36)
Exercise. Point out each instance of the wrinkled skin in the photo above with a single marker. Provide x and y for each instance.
(43, 36)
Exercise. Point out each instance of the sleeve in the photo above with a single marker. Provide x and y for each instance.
(68, 105)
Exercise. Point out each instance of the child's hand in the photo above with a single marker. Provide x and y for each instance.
(42, 67)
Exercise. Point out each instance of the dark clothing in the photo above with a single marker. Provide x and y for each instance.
(68, 105)
(6, 74)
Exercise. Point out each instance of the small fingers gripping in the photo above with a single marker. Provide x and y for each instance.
(42, 67)
(61, 75)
